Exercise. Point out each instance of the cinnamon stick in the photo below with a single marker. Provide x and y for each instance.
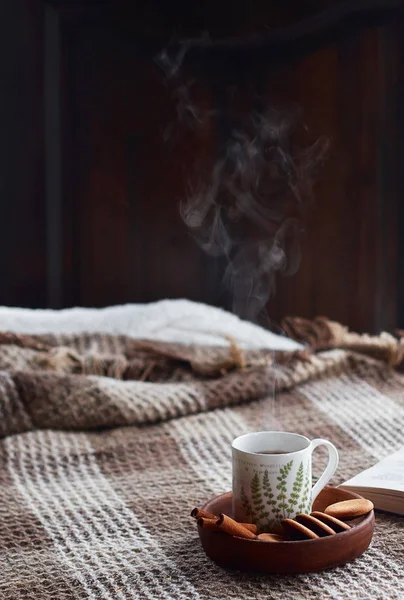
(251, 527)
(211, 521)
(213, 526)
(210, 524)
(198, 513)
(231, 527)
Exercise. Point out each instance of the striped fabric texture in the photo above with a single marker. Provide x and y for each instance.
(106, 446)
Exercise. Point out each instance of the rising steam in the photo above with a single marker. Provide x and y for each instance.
(251, 206)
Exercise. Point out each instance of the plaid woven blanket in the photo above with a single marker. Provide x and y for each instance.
(106, 445)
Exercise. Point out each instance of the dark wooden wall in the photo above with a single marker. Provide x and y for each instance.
(23, 277)
(91, 192)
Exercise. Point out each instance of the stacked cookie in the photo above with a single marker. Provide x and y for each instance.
(321, 524)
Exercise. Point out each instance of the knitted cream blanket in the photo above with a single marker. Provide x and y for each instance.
(107, 443)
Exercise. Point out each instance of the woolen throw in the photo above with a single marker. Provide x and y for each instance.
(107, 443)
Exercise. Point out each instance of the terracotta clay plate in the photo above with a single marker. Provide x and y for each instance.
(288, 557)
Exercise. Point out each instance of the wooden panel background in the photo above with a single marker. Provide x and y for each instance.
(109, 230)
(22, 192)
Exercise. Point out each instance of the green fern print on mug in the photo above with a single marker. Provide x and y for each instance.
(272, 477)
(266, 505)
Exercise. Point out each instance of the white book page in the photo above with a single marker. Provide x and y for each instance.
(387, 474)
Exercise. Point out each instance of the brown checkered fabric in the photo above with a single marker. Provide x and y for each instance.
(92, 510)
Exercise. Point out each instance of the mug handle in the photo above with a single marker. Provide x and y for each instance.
(330, 468)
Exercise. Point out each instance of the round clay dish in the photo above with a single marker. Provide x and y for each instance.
(288, 557)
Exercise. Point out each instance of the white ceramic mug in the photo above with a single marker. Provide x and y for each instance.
(269, 486)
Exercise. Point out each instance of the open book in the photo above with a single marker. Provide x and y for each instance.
(383, 483)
